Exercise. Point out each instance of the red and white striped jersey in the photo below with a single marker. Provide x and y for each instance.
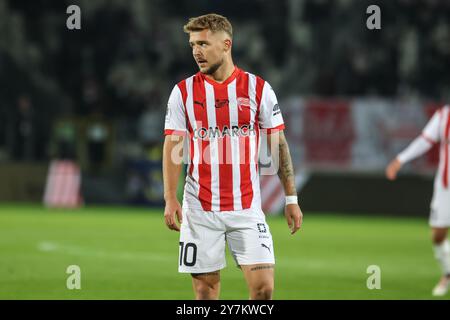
(436, 130)
(223, 123)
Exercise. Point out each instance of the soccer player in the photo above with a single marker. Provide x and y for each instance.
(437, 130)
(222, 111)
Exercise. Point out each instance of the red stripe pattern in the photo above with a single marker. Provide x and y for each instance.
(210, 185)
(204, 165)
(224, 150)
(446, 146)
(242, 88)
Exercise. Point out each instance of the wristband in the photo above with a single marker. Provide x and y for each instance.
(291, 200)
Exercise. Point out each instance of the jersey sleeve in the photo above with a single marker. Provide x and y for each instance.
(270, 117)
(431, 130)
(175, 122)
(423, 143)
(416, 148)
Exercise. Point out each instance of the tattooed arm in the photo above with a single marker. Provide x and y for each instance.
(282, 157)
(286, 170)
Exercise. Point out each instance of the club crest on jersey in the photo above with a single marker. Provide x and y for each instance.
(243, 103)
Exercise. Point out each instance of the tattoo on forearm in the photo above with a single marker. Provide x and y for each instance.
(261, 268)
(286, 169)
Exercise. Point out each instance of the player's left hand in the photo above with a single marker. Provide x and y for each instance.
(294, 217)
(393, 168)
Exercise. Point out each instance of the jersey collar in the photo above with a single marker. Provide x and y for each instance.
(226, 82)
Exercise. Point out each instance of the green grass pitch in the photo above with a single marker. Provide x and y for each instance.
(128, 253)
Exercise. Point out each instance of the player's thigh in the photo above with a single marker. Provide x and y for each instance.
(259, 276)
(202, 243)
(249, 238)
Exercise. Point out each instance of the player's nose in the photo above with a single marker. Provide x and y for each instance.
(196, 51)
(198, 56)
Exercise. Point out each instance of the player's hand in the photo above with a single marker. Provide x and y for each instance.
(392, 169)
(294, 217)
(173, 208)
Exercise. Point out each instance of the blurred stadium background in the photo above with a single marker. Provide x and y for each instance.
(86, 108)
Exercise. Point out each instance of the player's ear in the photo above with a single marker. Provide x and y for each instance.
(228, 43)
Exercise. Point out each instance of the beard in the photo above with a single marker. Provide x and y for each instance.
(212, 69)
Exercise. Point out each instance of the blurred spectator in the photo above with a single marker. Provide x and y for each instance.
(151, 126)
(23, 129)
(97, 137)
(65, 139)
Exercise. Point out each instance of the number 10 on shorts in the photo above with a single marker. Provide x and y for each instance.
(188, 254)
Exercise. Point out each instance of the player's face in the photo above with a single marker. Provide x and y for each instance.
(208, 49)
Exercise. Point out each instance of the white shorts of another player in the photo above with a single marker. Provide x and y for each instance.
(440, 206)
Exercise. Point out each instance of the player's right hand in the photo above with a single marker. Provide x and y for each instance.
(173, 208)
(393, 168)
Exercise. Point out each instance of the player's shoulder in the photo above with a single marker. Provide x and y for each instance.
(441, 110)
(181, 87)
(256, 77)
(183, 81)
(260, 85)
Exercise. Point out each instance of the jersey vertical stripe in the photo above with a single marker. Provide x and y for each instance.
(253, 142)
(204, 160)
(192, 185)
(259, 91)
(234, 122)
(242, 85)
(213, 147)
(184, 94)
(446, 151)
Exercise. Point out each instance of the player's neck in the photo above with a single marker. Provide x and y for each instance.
(224, 71)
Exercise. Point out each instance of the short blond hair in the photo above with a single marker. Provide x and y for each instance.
(212, 21)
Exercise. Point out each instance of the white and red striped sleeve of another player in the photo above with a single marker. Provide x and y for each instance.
(424, 142)
(175, 123)
(270, 118)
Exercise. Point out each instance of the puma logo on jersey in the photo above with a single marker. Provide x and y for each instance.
(201, 104)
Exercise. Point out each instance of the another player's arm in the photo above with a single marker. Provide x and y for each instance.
(172, 165)
(417, 148)
(423, 143)
(286, 174)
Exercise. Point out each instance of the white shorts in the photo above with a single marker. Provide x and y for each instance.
(440, 207)
(203, 235)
